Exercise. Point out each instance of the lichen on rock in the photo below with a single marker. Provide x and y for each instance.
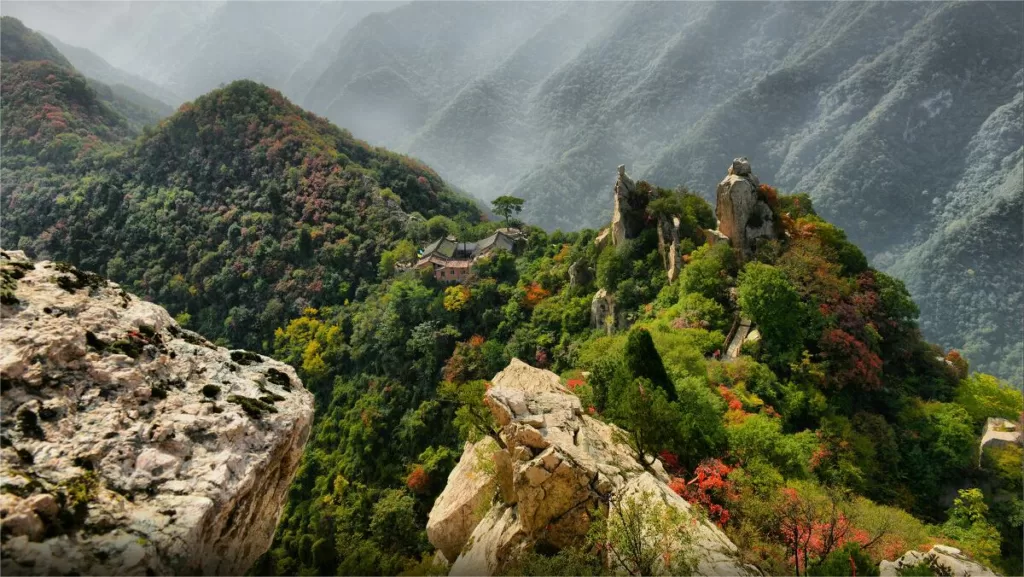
(119, 455)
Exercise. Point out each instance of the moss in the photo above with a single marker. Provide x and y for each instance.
(147, 331)
(253, 407)
(245, 357)
(129, 347)
(73, 279)
(74, 497)
(10, 272)
(158, 392)
(211, 391)
(279, 378)
(94, 342)
(271, 398)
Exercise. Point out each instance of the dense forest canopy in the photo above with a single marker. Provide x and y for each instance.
(264, 226)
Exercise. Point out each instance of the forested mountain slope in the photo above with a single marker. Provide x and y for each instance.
(263, 225)
(872, 108)
(93, 66)
(238, 186)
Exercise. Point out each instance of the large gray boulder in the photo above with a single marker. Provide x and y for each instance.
(742, 216)
(130, 445)
(560, 464)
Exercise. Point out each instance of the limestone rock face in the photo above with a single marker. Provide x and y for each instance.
(466, 498)
(561, 464)
(668, 246)
(602, 307)
(130, 445)
(742, 216)
(943, 560)
(628, 218)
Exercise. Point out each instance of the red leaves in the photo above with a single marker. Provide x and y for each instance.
(418, 480)
(709, 488)
(851, 362)
(534, 295)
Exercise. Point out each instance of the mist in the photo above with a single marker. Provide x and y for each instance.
(902, 121)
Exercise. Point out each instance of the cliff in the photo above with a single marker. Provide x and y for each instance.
(130, 445)
(558, 469)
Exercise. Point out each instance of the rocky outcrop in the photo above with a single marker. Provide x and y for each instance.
(604, 314)
(558, 467)
(942, 559)
(743, 217)
(131, 445)
(668, 246)
(456, 512)
(629, 215)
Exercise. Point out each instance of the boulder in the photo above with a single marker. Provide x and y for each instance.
(629, 215)
(564, 466)
(942, 559)
(131, 445)
(466, 498)
(742, 216)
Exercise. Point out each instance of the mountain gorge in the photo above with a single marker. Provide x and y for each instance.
(874, 109)
(689, 387)
(877, 110)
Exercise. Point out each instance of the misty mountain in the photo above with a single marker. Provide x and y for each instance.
(874, 109)
(40, 82)
(902, 120)
(189, 48)
(94, 66)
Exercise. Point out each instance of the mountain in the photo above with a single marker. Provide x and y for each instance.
(49, 110)
(38, 71)
(763, 372)
(872, 108)
(93, 66)
(187, 49)
(239, 210)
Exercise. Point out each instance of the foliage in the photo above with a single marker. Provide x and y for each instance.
(505, 206)
(645, 536)
(643, 361)
(771, 302)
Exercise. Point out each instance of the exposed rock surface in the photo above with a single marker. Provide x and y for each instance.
(742, 216)
(942, 559)
(628, 218)
(558, 466)
(668, 246)
(456, 512)
(131, 445)
(602, 308)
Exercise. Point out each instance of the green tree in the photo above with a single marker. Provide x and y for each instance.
(969, 524)
(506, 206)
(768, 298)
(651, 420)
(700, 427)
(472, 417)
(645, 536)
(643, 361)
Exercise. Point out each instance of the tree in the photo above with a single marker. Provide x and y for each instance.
(506, 205)
(472, 417)
(643, 361)
(768, 298)
(645, 536)
(968, 523)
(700, 429)
(651, 420)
